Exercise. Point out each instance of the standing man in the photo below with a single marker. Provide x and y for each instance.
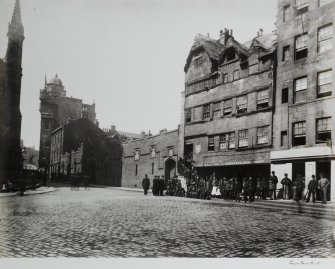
(146, 184)
(286, 182)
(300, 185)
(312, 186)
(323, 186)
(273, 185)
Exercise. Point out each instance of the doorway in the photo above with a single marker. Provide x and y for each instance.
(170, 168)
(323, 168)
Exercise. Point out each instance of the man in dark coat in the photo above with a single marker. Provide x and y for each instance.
(146, 184)
(286, 182)
(161, 186)
(312, 187)
(155, 185)
(273, 186)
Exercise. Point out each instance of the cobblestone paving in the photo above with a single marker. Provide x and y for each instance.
(114, 223)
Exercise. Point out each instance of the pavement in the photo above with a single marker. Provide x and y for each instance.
(39, 190)
(109, 222)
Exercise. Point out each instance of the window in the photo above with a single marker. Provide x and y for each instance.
(325, 83)
(325, 38)
(262, 135)
(211, 143)
(301, 49)
(216, 110)
(286, 12)
(323, 130)
(225, 78)
(227, 141)
(170, 152)
(300, 90)
(283, 138)
(263, 99)
(243, 138)
(284, 96)
(136, 170)
(206, 114)
(152, 168)
(301, 6)
(188, 115)
(137, 155)
(231, 55)
(253, 69)
(242, 103)
(236, 74)
(299, 133)
(153, 152)
(228, 107)
(286, 53)
(197, 60)
(46, 124)
(324, 2)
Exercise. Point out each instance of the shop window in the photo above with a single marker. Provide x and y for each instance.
(225, 78)
(301, 46)
(325, 38)
(299, 133)
(206, 114)
(263, 99)
(286, 13)
(216, 110)
(211, 143)
(325, 79)
(301, 6)
(262, 135)
(286, 53)
(284, 96)
(253, 69)
(324, 2)
(243, 138)
(242, 104)
(283, 139)
(323, 130)
(188, 115)
(300, 90)
(236, 75)
(228, 107)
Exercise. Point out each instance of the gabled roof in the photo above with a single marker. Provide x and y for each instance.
(212, 47)
(267, 41)
(238, 47)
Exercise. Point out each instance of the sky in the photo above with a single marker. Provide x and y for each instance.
(126, 55)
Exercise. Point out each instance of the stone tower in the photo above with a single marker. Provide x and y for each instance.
(11, 116)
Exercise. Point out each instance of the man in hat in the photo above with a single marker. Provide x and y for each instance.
(286, 182)
(312, 186)
(273, 186)
(146, 184)
(323, 186)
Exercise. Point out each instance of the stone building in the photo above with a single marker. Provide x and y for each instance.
(56, 110)
(228, 104)
(10, 95)
(304, 119)
(81, 147)
(152, 155)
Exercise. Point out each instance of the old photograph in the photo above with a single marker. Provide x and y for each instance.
(168, 129)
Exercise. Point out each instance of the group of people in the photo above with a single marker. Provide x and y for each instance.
(158, 185)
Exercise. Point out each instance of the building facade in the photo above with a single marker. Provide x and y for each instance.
(228, 104)
(82, 148)
(10, 93)
(154, 155)
(56, 110)
(304, 119)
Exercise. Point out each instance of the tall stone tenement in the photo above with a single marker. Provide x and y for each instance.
(57, 109)
(10, 93)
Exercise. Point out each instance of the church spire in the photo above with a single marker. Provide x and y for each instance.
(15, 28)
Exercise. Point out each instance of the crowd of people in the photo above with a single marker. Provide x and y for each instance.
(236, 189)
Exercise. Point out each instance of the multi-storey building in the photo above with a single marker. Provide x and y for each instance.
(152, 155)
(82, 148)
(57, 109)
(304, 119)
(228, 104)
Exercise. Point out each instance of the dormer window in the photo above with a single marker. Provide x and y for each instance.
(231, 55)
(197, 60)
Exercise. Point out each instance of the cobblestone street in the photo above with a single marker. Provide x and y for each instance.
(114, 223)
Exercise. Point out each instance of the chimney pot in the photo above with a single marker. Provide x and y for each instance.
(231, 32)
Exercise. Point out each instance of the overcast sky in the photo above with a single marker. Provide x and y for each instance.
(127, 55)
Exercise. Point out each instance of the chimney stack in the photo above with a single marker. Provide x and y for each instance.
(224, 35)
(113, 128)
(260, 31)
(208, 35)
